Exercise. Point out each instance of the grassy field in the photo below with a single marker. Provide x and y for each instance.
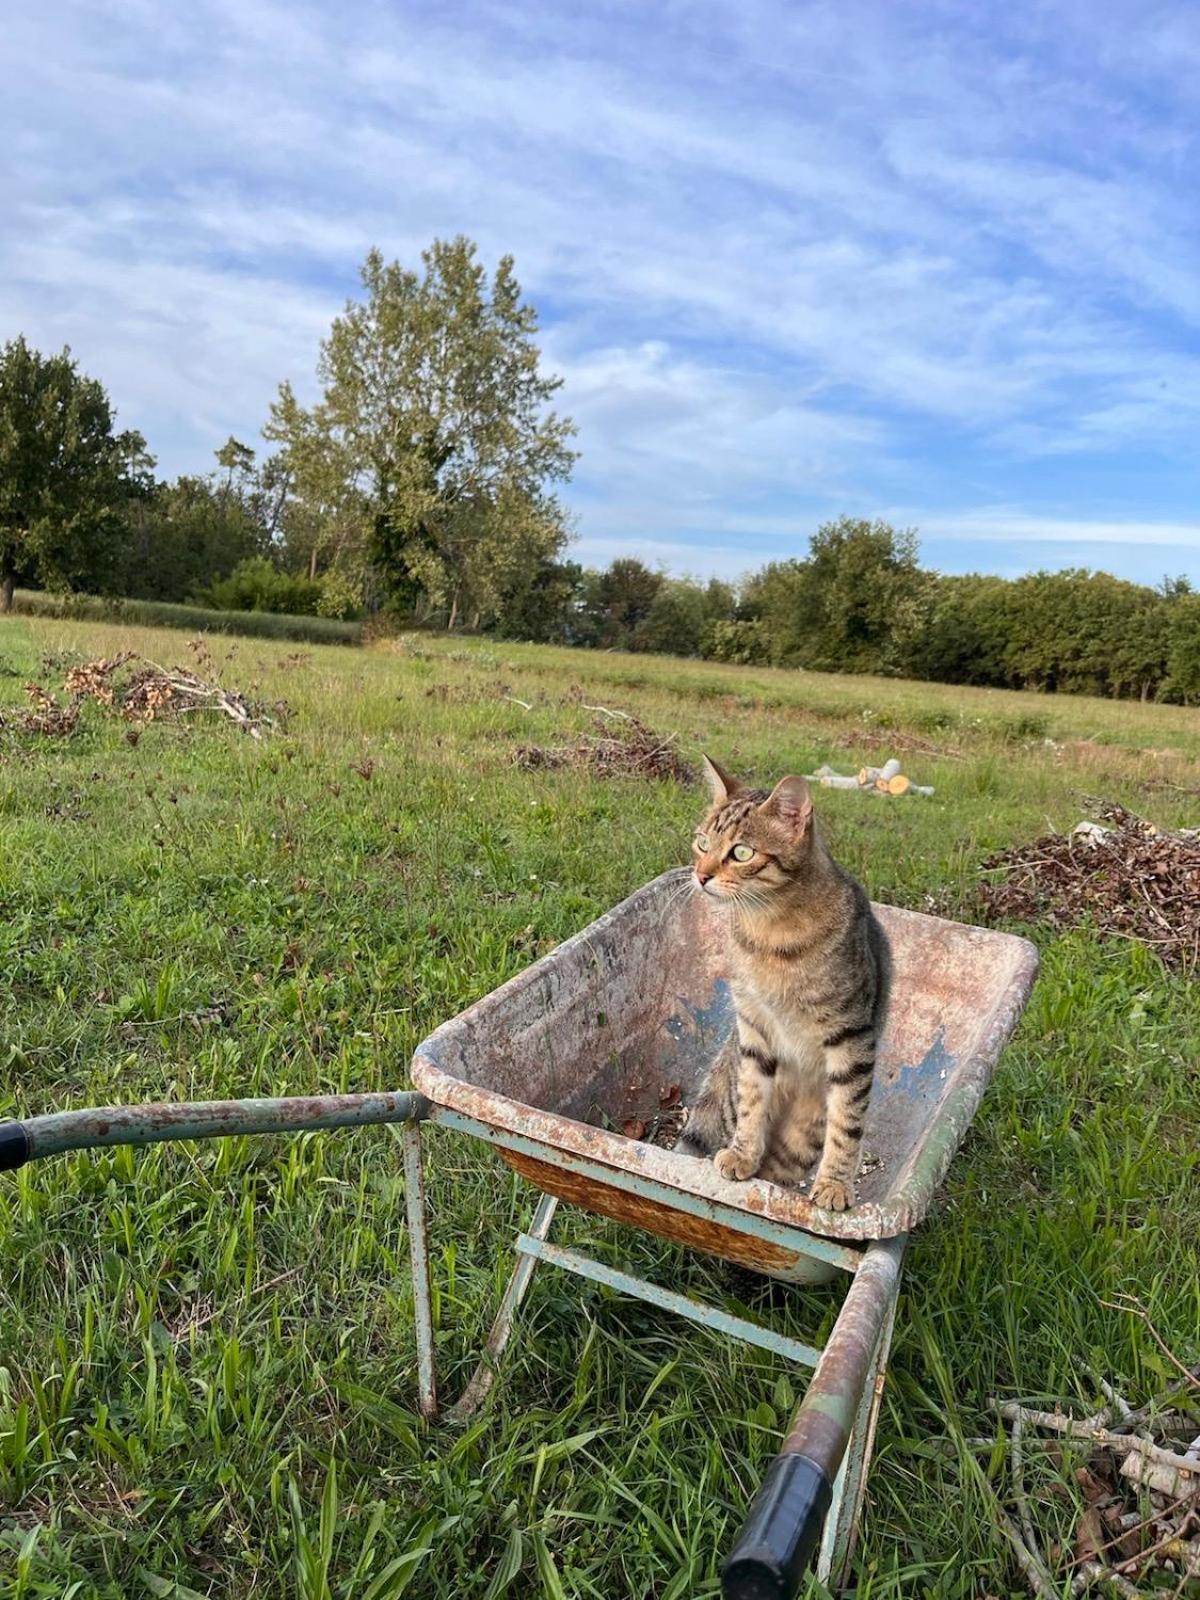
(206, 1360)
(200, 619)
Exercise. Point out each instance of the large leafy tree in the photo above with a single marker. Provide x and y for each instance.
(65, 475)
(432, 452)
(854, 605)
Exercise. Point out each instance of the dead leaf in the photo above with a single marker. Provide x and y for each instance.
(1094, 1490)
(1089, 1535)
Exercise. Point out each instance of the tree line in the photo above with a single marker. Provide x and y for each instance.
(860, 601)
(422, 484)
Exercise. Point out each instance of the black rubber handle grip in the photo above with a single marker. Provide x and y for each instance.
(782, 1530)
(14, 1146)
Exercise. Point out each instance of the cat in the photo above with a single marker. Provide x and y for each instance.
(810, 972)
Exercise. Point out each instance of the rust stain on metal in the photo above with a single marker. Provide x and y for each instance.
(594, 1032)
(821, 1427)
(624, 1206)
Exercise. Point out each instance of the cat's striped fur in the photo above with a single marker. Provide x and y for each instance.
(810, 972)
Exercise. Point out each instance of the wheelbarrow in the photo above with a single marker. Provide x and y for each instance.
(590, 1039)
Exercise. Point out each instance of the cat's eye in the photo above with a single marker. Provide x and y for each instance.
(702, 841)
(742, 853)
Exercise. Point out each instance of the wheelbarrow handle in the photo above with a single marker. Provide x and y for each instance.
(100, 1126)
(784, 1525)
(14, 1146)
(782, 1530)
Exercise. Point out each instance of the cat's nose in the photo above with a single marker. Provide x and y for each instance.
(702, 877)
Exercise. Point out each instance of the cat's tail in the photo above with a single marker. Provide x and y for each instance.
(703, 1134)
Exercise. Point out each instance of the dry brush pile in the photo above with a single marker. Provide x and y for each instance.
(1126, 877)
(139, 691)
(620, 746)
(1137, 1477)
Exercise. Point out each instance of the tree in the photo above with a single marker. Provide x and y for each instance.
(65, 476)
(675, 619)
(256, 585)
(541, 603)
(624, 595)
(783, 599)
(188, 535)
(870, 594)
(1183, 660)
(968, 624)
(432, 446)
(736, 640)
(237, 459)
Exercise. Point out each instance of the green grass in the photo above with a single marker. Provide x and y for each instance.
(162, 614)
(207, 1376)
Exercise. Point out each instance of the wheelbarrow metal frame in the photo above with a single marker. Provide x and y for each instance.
(830, 1436)
(811, 1497)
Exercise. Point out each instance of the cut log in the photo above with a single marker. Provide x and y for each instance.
(868, 776)
(886, 788)
(1176, 1482)
(833, 780)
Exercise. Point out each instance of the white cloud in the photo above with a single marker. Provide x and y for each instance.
(1016, 527)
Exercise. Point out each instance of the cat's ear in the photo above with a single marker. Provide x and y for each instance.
(791, 803)
(722, 785)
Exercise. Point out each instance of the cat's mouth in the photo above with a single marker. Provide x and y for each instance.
(714, 891)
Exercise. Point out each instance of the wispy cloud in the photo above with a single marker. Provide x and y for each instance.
(792, 259)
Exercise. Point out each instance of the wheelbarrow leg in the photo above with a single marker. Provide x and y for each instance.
(418, 1247)
(480, 1385)
(845, 1510)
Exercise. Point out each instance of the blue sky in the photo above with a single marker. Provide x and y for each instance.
(936, 262)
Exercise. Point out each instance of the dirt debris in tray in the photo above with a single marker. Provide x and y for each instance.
(1131, 880)
(620, 746)
(661, 1127)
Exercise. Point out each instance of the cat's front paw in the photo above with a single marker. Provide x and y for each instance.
(831, 1194)
(735, 1164)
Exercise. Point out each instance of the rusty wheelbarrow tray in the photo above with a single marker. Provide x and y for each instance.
(550, 1066)
(597, 1034)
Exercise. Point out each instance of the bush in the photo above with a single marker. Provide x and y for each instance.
(256, 585)
(196, 619)
(743, 644)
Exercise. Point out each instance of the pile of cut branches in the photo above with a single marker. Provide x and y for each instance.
(1128, 878)
(620, 746)
(1137, 1474)
(140, 691)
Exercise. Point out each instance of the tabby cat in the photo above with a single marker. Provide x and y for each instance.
(810, 971)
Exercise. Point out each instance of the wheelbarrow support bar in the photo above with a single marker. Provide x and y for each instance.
(200, 1119)
(785, 1522)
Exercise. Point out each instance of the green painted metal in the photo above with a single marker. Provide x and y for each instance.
(822, 1427)
(480, 1386)
(842, 1522)
(418, 1247)
(96, 1127)
(589, 1037)
(711, 1317)
(828, 1251)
